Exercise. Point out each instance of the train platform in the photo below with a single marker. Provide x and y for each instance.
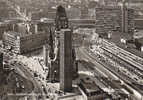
(129, 47)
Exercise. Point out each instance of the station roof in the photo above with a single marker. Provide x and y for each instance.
(89, 85)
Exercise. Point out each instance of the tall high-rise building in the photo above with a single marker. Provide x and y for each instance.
(109, 18)
(66, 60)
(127, 18)
(45, 54)
(124, 14)
(1, 61)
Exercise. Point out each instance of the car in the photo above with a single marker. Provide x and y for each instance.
(30, 70)
(44, 90)
(35, 74)
(43, 78)
(47, 96)
(136, 30)
(40, 76)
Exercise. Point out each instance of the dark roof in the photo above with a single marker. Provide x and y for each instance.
(89, 85)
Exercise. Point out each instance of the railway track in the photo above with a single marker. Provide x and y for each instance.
(128, 61)
(104, 82)
(135, 63)
(124, 57)
(127, 80)
(124, 52)
(124, 64)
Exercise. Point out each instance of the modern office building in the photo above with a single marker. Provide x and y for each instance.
(1, 61)
(23, 43)
(110, 18)
(66, 64)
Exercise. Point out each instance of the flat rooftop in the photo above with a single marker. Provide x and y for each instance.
(89, 85)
